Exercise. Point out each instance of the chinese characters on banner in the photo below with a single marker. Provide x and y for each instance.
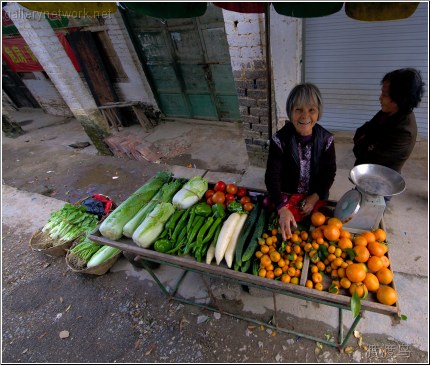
(19, 57)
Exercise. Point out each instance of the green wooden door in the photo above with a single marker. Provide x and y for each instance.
(188, 62)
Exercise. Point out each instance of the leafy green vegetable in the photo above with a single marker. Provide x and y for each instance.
(102, 255)
(113, 225)
(355, 304)
(67, 223)
(190, 193)
(153, 225)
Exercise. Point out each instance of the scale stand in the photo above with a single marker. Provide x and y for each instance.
(359, 210)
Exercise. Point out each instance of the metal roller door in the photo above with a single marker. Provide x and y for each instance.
(347, 59)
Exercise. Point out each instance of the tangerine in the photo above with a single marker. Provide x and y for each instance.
(385, 261)
(360, 288)
(374, 264)
(335, 221)
(331, 232)
(386, 295)
(362, 254)
(355, 273)
(360, 241)
(344, 233)
(344, 243)
(317, 277)
(285, 278)
(385, 276)
(380, 235)
(371, 282)
(309, 284)
(317, 219)
(275, 256)
(345, 283)
(376, 248)
(370, 237)
(319, 286)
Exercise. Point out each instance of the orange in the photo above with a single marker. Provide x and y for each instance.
(375, 264)
(316, 233)
(360, 241)
(385, 276)
(355, 273)
(309, 284)
(317, 219)
(321, 266)
(270, 274)
(370, 237)
(380, 235)
(385, 261)
(386, 295)
(360, 288)
(344, 243)
(304, 235)
(336, 222)
(314, 269)
(317, 277)
(278, 271)
(371, 282)
(262, 273)
(319, 286)
(344, 233)
(281, 263)
(285, 278)
(376, 248)
(341, 272)
(295, 281)
(265, 260)
(331, 232)
(291, 271)
(275, 256)
(345, 283)
(362, 254)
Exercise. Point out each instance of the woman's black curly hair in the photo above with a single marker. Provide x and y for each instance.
(406, 88)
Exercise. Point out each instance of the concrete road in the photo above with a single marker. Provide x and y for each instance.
(41, 296)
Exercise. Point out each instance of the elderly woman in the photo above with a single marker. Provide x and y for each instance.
(301, 158)
(389, 137)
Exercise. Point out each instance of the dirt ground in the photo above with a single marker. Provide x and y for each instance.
(119, 317)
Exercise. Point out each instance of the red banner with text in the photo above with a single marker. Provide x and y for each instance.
(19, 57)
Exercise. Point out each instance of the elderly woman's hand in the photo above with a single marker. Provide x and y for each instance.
(307, 204)
(286, 221)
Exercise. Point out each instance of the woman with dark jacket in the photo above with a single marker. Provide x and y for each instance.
(389, 137)
(301, 157)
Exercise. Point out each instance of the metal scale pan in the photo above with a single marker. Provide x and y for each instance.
(363, 207)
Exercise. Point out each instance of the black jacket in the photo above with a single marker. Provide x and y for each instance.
(386, 140)
(283, 166)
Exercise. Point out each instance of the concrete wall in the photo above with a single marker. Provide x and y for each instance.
(47, 95)
(246, 38)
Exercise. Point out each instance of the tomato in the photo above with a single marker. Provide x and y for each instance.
(209, 193)
(229, 198)
(247, 207)
(218, 197)
(210, 201)
(241, 192)
(231, 189)
(220, 186)
(245, 199)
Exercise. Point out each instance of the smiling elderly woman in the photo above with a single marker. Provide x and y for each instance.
(301, 158)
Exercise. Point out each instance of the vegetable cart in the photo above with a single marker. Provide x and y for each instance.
(189, 264)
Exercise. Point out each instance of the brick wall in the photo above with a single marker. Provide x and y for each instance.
(246, 38)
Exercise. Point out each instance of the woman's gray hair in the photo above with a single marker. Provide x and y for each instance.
(304, 94)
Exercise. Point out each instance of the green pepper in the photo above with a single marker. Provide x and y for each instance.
(203, 230)
(203, 209)
(212, 230)
(235, 207)
(199, 222)
(218, 210)
(162, 245)
(191, 220)
(181, 224)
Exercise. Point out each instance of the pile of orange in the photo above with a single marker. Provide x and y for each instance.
(356, 263)
(281, 260)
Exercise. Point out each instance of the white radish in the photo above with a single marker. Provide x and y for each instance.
(210, 254)
(224, 237)
(229, 253)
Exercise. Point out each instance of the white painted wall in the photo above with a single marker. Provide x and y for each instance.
(286, 57)
(246, 39)
(137, 87)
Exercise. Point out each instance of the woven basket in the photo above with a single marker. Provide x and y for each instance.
(96, 270)
(41, 242)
